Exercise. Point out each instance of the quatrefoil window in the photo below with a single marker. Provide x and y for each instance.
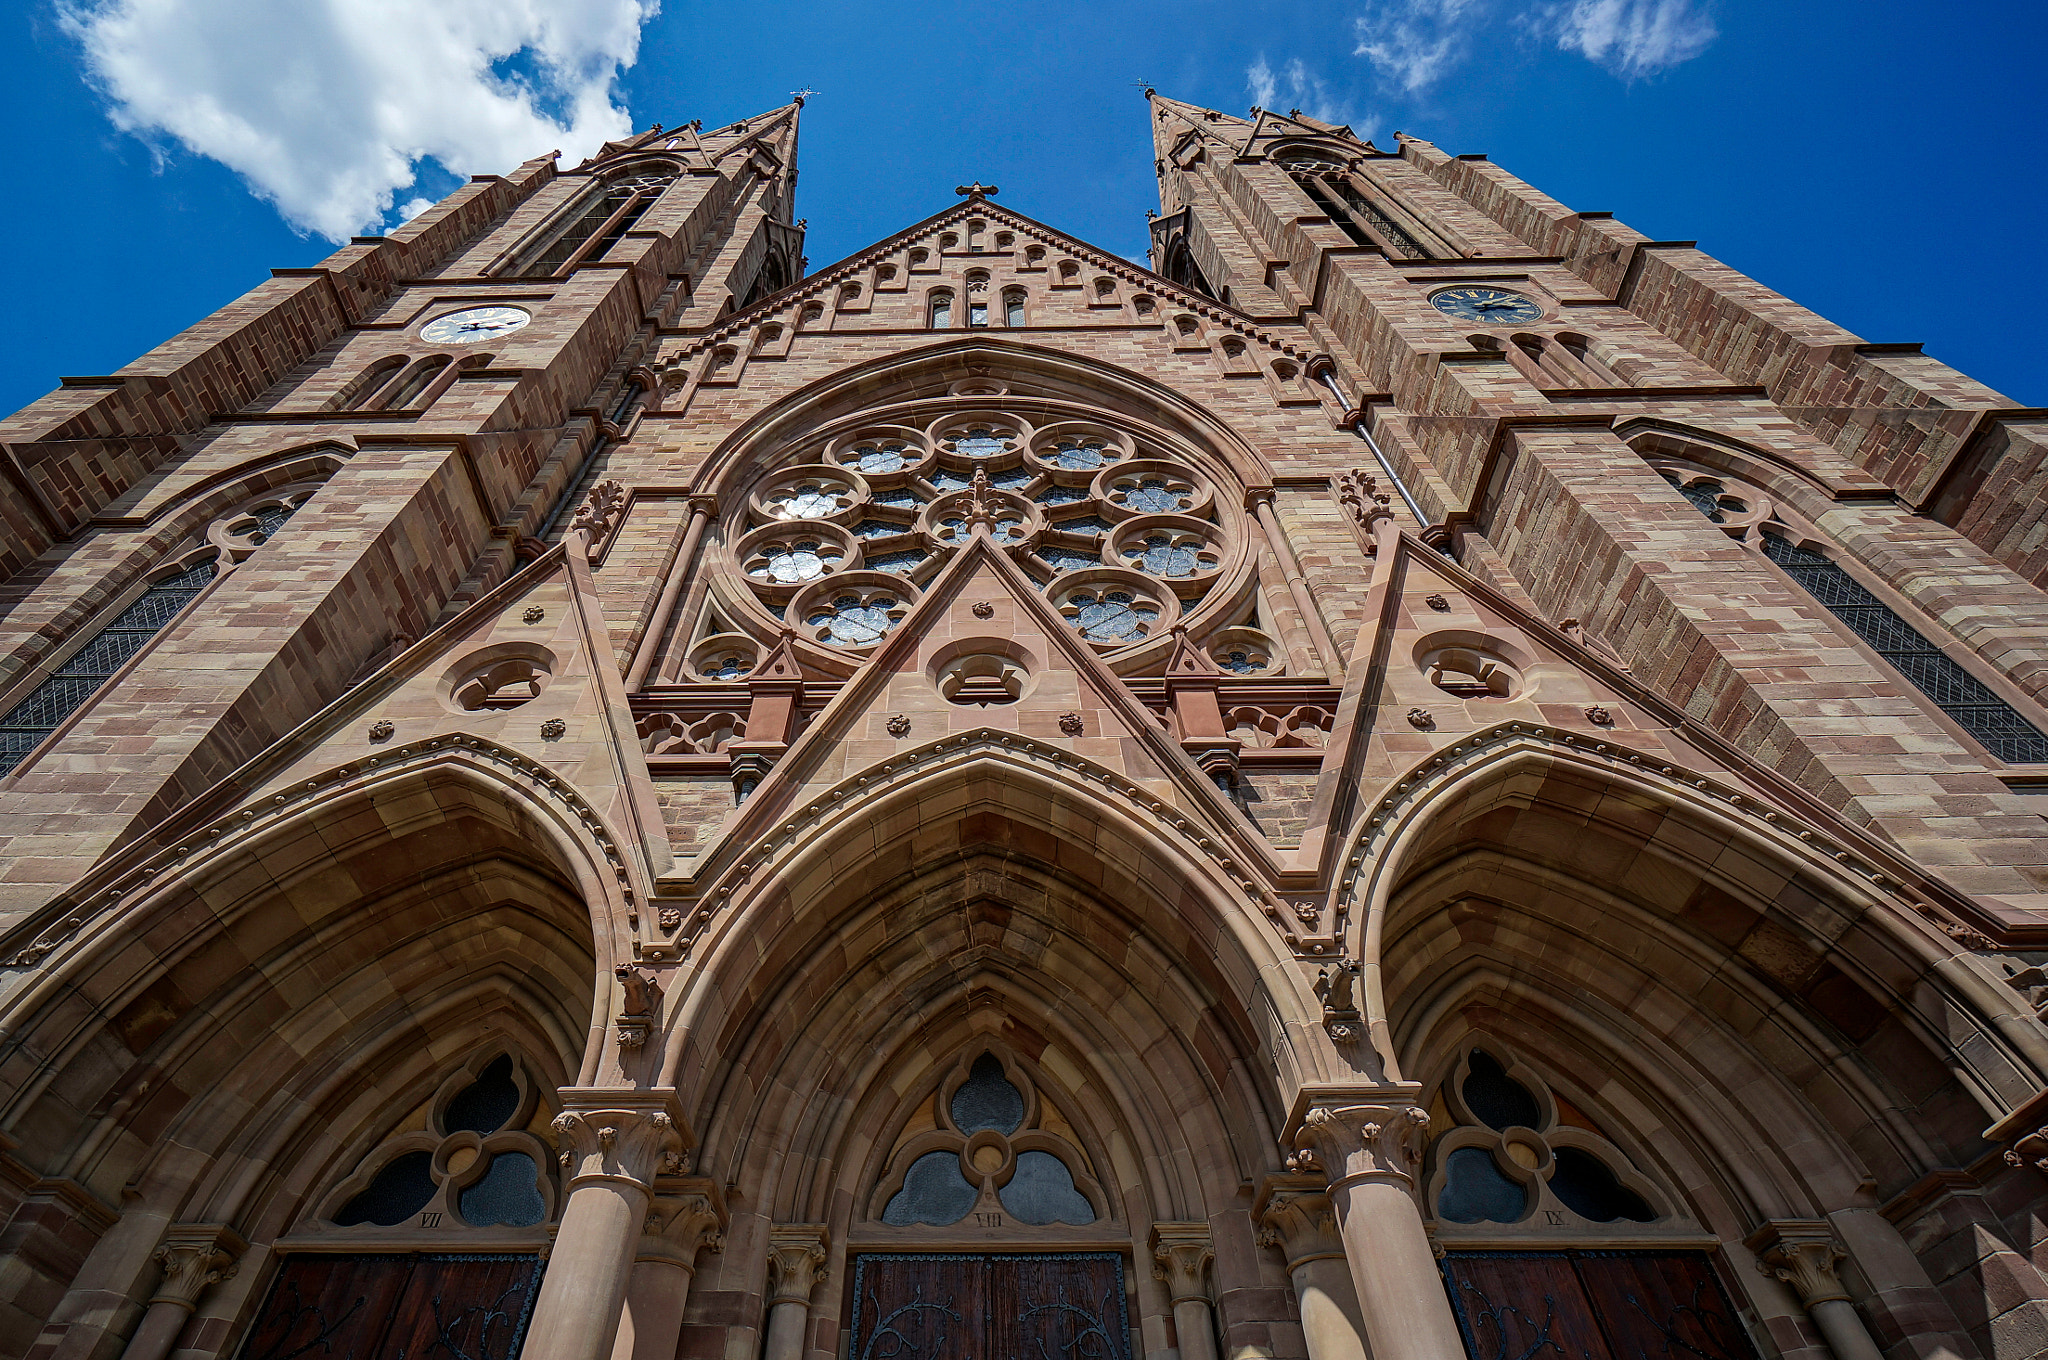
(1111, 615)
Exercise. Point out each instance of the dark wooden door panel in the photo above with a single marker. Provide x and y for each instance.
(920, 1308)
(1068, 1306)
(1025, 1306)
(1521, 1305)
(1662, 1306)
(396, 1307)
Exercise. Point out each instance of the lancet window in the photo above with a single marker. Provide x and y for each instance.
(986, 1144)
(1330, 187)
(597, 221)
(1745, 513)
(172, 588)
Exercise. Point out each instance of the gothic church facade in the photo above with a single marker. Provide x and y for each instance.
(1431, 778)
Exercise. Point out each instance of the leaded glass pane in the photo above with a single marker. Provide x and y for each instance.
(485, 1104)
(899, 498)
(1088, 526)
(1705, 496)
(270, 519)
(1161, 556)
(1154, 496)
(1042, 1191)
(1477, 1191)
(878, 528)
(1968, 701)
(898, 562)
(1060, 495)
(851, 623)
(506, 1193)
(987, 1099)
(1113, 616)
(805, 561)
(1012, 479)
(1380, 222)
(1066, 559)
(933, 1192)
(734, 667)
(1242, 663)
(875, 458)
(1589, 1188)
(105, 654)
(979, 443)
(947, 480)
(1496, 1099)
(1079, 455)
(399, 1191)
(804, 502)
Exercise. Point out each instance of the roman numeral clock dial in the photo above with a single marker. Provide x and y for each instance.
(1473, 302)
(473, 324)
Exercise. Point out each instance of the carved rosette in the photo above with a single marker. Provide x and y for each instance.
(193, 1257)
(1366, 1142)
(1803, 1253)
(626, 1136)
(1294, 1214)
(796, 1262)
(1181, 1253)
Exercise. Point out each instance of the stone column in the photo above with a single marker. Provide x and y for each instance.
(1803, 1253)
(193, 1256)
(1181, 1254)
(1294, 1214)
(614, 1142)
(796, 1263)
(687, 1216)
(1369, 1140)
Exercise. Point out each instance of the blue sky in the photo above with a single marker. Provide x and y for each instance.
(1880, 162)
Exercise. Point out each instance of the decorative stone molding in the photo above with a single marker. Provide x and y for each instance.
(1181, 1253)
(1295, 1216)
(600, 516)
(2030, 1150)
(796, 1261)
(680, 1225)
(1421, 719)
(618, 1135)
(1803, 1253)
(194, 1256)
(1358, 1142)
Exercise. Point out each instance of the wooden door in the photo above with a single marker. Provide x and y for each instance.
(435, 1306)
(959, 1306)
(1592, 1305)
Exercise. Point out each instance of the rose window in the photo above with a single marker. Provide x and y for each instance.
(841, 537)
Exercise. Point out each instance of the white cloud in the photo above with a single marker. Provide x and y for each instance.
(1635, 37)
(1298, 88)
(326, 107)
(1413, 44)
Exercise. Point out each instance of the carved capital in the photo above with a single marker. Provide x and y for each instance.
(194, 1256)
(1181, 1253)
(681, 1224)
(1294, 1214)
(796, 1261)
(1803, 1253)
(619, 1135)
(1362, 1142)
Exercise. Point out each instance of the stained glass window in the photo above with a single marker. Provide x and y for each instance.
(898, 498)
(1061, 495)
(788, 563)
(879, 528)
(851, 622)
(933, 1192)
(1012, 479)
(809, 501)
(46, 707)
(1112, 616)
(1496, 1099)
(979, 443)
(1974, 707)
(1589, 1188)
(1066, 559)
(733, 667)
(507, 1192)
(1079, 455)
(1153, 496)
(1478, 1191)
(486, 1103)
(876, 458)
(1159, 555)
(1707, 497)
(395, 1194)
(1242, 663)
(988, 1099)
(899, 562)
(1088, 526)
(1042, 1191)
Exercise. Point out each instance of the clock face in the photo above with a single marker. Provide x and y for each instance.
(1476, 302)
(474, 324)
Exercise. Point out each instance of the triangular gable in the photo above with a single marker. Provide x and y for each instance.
(826, 280)
(981, 603)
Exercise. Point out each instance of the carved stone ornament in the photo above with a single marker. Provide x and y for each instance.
(1367, 1142)
(1599, 716)
(381, 730)
(1340, 1010)
(685, 1225)
(642, 1005)
(620, 1136)
(193, 1257)
(983, 609)
(1181, 1253)
(600, 516)
(2030, 1150)
(534, 614)
(1803, 1253)
(1297, 1218)
(1438, 603)
(553, 729)
(899, 726)
(671, 918)
(796, 1261)
(1071, 724)
(1421, 719)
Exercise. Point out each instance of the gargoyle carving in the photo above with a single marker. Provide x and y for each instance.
(1340, 1008)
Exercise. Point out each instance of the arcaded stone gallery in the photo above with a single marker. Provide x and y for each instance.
(1429, 778)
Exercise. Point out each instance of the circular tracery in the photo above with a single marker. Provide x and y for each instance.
(1124, 538)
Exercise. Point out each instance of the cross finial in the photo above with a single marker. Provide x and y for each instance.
(799, 96)
(976, 190)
